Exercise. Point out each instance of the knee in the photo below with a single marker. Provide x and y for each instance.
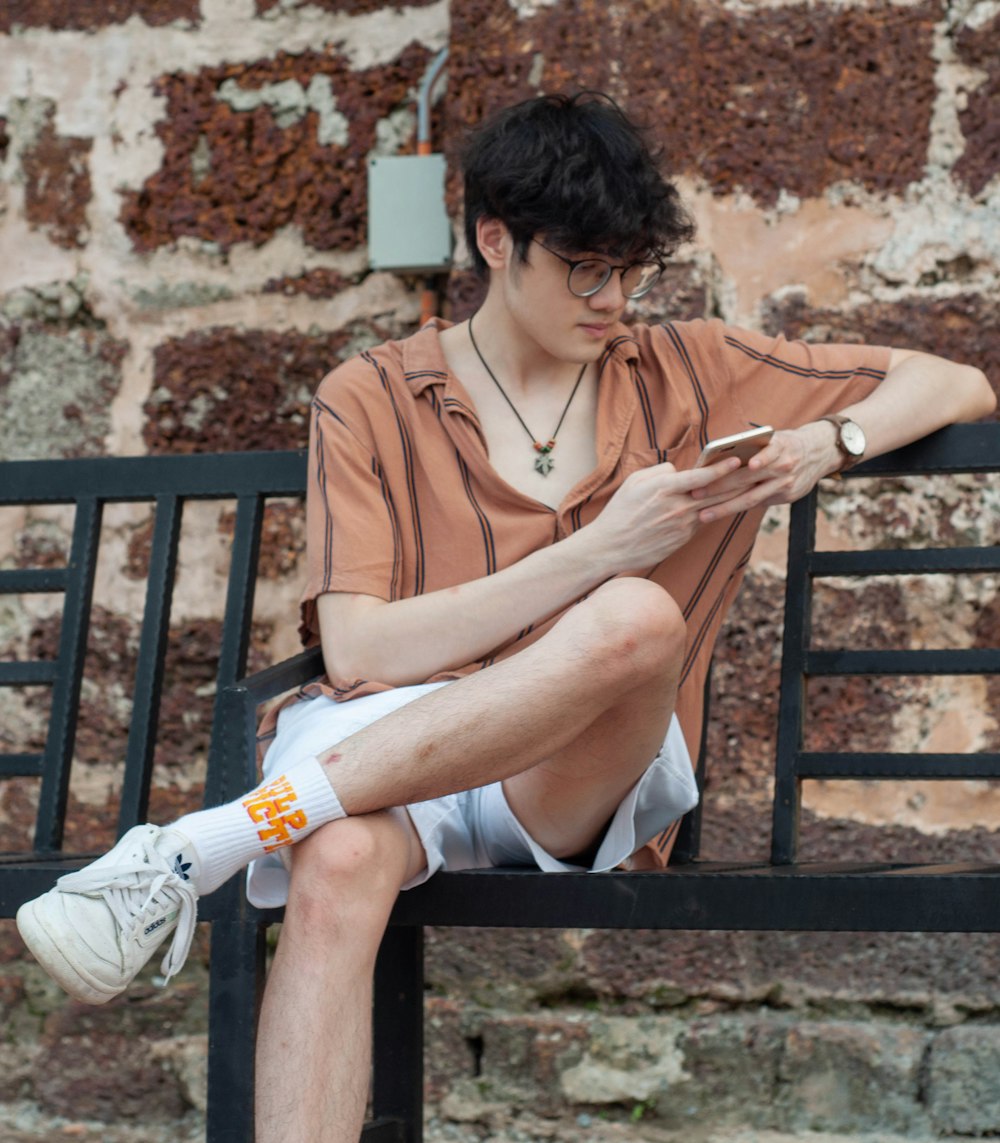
(351, 868)
(641, 628)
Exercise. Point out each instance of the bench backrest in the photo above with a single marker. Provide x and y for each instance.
(959, 449)
(251, 478)
(89, 486)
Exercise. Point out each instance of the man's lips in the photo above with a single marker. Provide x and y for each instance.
(595, 329)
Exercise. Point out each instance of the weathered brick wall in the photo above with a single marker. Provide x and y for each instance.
(182, 256)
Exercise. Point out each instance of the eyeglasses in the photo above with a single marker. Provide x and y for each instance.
(589, 276)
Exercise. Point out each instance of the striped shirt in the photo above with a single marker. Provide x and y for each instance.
(402, 498)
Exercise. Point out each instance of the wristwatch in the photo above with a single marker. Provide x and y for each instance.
(850, 439)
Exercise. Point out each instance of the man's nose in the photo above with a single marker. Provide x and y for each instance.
(610, 296)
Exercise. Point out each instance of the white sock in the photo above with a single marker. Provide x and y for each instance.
(277, 813)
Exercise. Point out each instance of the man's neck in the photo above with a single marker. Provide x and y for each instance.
(518, 361)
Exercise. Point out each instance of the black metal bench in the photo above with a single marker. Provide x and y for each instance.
(783, 894)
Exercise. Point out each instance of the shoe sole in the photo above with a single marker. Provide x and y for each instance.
(49, 954)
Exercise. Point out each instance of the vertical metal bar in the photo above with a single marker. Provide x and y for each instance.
(69, 676)
(688, 844)
(398, 1043)
(235, 635)
(239, 954)
(149, 665)
(238, 947)
(798, 604)
(236, 984)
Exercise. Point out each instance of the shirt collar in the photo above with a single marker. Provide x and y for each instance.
(423, 361)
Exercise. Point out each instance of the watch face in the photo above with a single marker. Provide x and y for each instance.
(853, 438)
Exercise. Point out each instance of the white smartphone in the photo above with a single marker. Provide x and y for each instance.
(743, 445)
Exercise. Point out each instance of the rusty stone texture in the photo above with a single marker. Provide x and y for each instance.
(70, 15)
(318, 283)
(4, 138)
(842, 714)
(746, 674)
(963, 328)
(793, 98)
(346, 7)
(223, 389)
(906, 970)
(282, 538)
(233, 176)
(980, 119)
(139, 550)
(57, 185)
(111, 1079)
(41, 544)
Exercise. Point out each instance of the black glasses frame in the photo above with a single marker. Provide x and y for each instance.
(609, 270)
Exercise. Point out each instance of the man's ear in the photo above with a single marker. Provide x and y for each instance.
(494, 242)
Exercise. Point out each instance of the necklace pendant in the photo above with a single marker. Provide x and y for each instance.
(543, 461)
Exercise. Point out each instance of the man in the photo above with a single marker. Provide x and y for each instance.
(517, 573)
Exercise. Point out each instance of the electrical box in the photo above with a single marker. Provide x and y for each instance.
(408, 227)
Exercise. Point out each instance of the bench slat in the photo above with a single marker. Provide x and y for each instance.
(204, 476)
(760, 898)
(37, 672)
(27, 581)
(943, 661)
(21, 765)
(149, 664)
(821, 764)
(904, 561)
(66, 691)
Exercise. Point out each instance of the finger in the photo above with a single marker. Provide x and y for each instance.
(737, 481)
(732, 505)
(767, 456)
(693, 478)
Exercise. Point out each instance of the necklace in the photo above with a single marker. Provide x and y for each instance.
(543, 452)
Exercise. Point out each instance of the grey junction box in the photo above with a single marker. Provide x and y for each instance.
(408, 226)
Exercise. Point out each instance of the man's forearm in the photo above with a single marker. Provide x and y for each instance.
(920, 393)
(409, 640)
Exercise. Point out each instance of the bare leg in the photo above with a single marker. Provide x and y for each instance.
(571, 722)
(624, 642)
(314, 1040)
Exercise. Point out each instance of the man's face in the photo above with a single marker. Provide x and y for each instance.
(568, 327)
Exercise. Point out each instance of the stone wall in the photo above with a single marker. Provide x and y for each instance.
(182, 256)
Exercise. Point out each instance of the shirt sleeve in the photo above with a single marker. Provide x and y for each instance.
(772, 380)
(351, 527)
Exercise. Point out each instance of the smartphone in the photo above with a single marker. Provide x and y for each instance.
(743, 445)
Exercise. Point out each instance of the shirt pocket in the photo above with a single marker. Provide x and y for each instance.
(677, 452)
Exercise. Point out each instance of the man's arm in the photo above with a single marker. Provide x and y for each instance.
(920, 393)
(409, 640)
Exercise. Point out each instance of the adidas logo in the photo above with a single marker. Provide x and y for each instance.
(181, 867)
(167, 919)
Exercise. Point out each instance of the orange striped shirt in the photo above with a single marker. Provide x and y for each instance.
(402, 498)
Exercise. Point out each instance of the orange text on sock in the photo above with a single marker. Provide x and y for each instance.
(269, 804)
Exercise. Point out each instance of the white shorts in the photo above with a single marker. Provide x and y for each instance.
(476, 828)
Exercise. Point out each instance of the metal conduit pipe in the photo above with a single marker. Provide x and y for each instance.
(431, 77)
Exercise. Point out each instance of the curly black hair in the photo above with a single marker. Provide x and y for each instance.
(575, 169)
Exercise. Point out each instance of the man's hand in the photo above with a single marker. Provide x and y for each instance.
(655, 512)
(783, 471)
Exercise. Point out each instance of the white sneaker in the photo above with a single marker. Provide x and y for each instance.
(94, 931)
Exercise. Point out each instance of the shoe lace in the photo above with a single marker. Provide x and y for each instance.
(143, 881)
